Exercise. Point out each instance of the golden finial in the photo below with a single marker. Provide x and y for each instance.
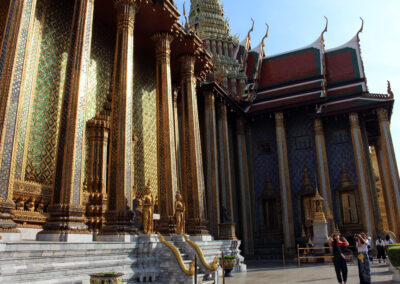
(184, 15)
(361, 29)
(389, 90)
(262, 41)
(248, 35)
(325, 29)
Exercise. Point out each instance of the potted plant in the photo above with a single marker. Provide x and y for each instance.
(106, 278)
(393, 252)
(228, 263)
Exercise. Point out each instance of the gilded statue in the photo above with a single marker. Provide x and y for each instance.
(148, 209)
(179, 215)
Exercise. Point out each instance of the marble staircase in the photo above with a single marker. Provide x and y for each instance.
(144, 260)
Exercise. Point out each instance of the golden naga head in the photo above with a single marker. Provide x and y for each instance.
(179, 197)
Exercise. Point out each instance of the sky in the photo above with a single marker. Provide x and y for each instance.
(297, 23)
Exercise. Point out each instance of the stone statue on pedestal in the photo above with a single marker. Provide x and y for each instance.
(148, 209)
(179, 215)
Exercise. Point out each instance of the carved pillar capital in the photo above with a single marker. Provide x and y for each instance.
(240, 126)
(279, 119)
(382, 114)
(187, 66)
(209, 100)
(318, 126)
(126, 11)
(354, 120)
(163, 45)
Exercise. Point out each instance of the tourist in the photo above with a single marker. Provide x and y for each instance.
(339, 245)
(388, 240)
(380, 247)
(364, 270)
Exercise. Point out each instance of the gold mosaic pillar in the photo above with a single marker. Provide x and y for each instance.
(177, 115)
(323, 170)
(225, 165)
(98, 136)
(362, 174)
(386, 189)
(389, 165)
(284, 181)
(212, 169)
(12, 61)
(166, 158)
(244, 185)
(192, 159)
(66, 221)
(119, 216)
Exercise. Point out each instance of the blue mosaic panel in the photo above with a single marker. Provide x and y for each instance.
(336, 152)
(6, 37)
(263, 132)
(300, 128)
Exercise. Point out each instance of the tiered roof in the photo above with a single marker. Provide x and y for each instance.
(333, 80)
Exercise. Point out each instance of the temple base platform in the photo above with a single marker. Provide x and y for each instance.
(145, 259)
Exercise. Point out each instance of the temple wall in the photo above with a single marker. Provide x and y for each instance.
(45, 111)
(145, 124)
(301, 154)
(336, 152)
(263, 130)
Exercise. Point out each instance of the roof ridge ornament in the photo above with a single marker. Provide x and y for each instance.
(325, 29)
(186, 19)
(248, 46)
(389, 90)
(361, 29)
(262, 42)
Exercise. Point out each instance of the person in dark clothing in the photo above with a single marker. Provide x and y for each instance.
(380, 247)
(339, 245)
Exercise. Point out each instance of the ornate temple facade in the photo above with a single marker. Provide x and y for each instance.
(102, 101)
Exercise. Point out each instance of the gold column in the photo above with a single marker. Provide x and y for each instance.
(98, 136)
(284, 181)
(212, 170)
(12, 60)
(119, 216)
(390, 167)
(386, 188)
(362, 173)
(245, 196)
(177, 138)
(166, 158)
(322, 161)
(225, 160)
(66, 221)
(192, 159)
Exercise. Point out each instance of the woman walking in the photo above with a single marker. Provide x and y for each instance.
(364, 270)
(380, 247)
(339, 246)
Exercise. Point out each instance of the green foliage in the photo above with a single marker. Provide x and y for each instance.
(229, 257)
(393, 251)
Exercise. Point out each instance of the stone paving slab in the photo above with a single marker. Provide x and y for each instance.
(317, 274)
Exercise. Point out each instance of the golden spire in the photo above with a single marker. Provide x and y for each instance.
(361, 29)
(186, 19)
(389, 90)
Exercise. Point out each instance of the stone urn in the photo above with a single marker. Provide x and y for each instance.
(228, 263)
(106, 278)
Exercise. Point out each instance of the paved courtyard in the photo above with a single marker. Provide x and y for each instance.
(318, 274)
